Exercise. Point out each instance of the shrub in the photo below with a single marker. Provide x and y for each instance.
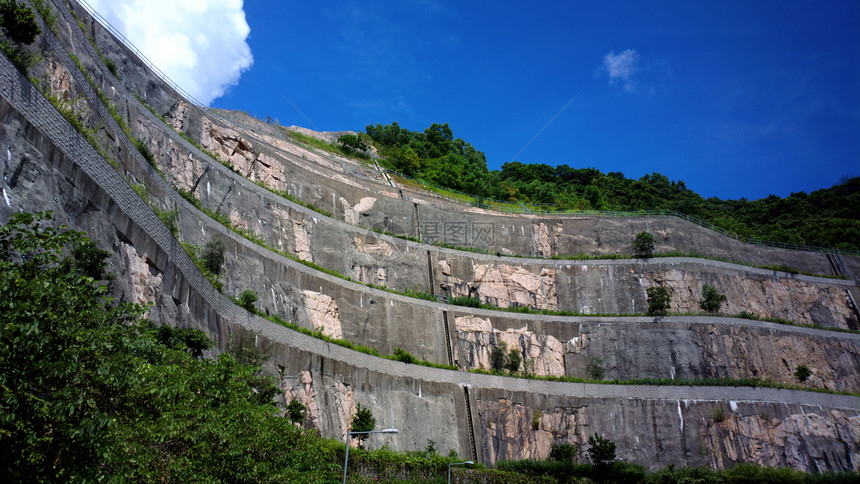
(748, 315)
(601, 451)
(18, 22)
(712, 299)
(659, 299)
(247, 299)
(470, 302)
(514, 360)
(402, 355)
(595, 368)
(536, 419)
(213, 255)
(296, 411)
(563, 452)
(170, 218)
(643, 244)
(362, 421)
(352, 142)
(497, 357)
(802, 373)
(719, 414)
(143, 147)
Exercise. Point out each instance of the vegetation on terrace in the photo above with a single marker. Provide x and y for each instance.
(90, 390)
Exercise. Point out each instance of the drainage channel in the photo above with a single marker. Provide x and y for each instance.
(471, 426)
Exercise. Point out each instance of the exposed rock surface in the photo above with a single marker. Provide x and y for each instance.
(516, 432)
(302, 389)
(302, 241)
(546, 243)
(505, 286)
(323, 314)
(145, 279)
(789, 442)
(351, 214)
(786, 298)
(476, 338)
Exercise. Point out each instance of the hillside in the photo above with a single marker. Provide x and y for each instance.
(829, 217)
(356, 274)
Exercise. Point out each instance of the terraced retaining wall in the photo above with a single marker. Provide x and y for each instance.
(52, 167)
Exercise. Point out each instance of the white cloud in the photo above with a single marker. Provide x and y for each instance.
(621, 68)
(200, 44)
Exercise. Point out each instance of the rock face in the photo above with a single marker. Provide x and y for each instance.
(301, 389)
(835, 364)
(516, 432)
(145, 278)
(322, 313)
(351, 214)
(714, 433)
(787, 298)
(691, 351)
(546, 243)
(504, 286)
(620, 287)
(302, 241)
(541, 354)
(789, 442)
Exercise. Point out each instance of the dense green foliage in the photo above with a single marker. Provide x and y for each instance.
(247, 299)
(213, 255)
(90, 391)
(712, 299)
(828, 217)
(643, 245)
(802, 373)
(362, 421)
(18, 22)
(601, 451)
(623, 472)
(659, 299)
(19, 29)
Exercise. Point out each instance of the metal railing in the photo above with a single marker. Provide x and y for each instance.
(151, 65)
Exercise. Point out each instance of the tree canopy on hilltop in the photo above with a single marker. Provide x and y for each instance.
(828, 217)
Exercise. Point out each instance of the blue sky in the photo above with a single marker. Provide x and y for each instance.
(737, 99)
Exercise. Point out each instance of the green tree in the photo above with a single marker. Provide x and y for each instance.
(563, 452)
(513, 361)
(802, 373)
(712, 299)
(601, 451)
(18, 22)
(296, 411)
(643, 245)
(91, 392)
(498, 357)
(213, 255)
(659, 299)
(351, 142)
(362, 421)
(58, 373)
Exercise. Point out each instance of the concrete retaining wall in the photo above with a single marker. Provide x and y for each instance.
(55, 168)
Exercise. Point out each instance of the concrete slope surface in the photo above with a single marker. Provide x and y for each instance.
(50, 165)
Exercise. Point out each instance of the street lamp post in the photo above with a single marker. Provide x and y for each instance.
(467, 463)
(349, 435)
